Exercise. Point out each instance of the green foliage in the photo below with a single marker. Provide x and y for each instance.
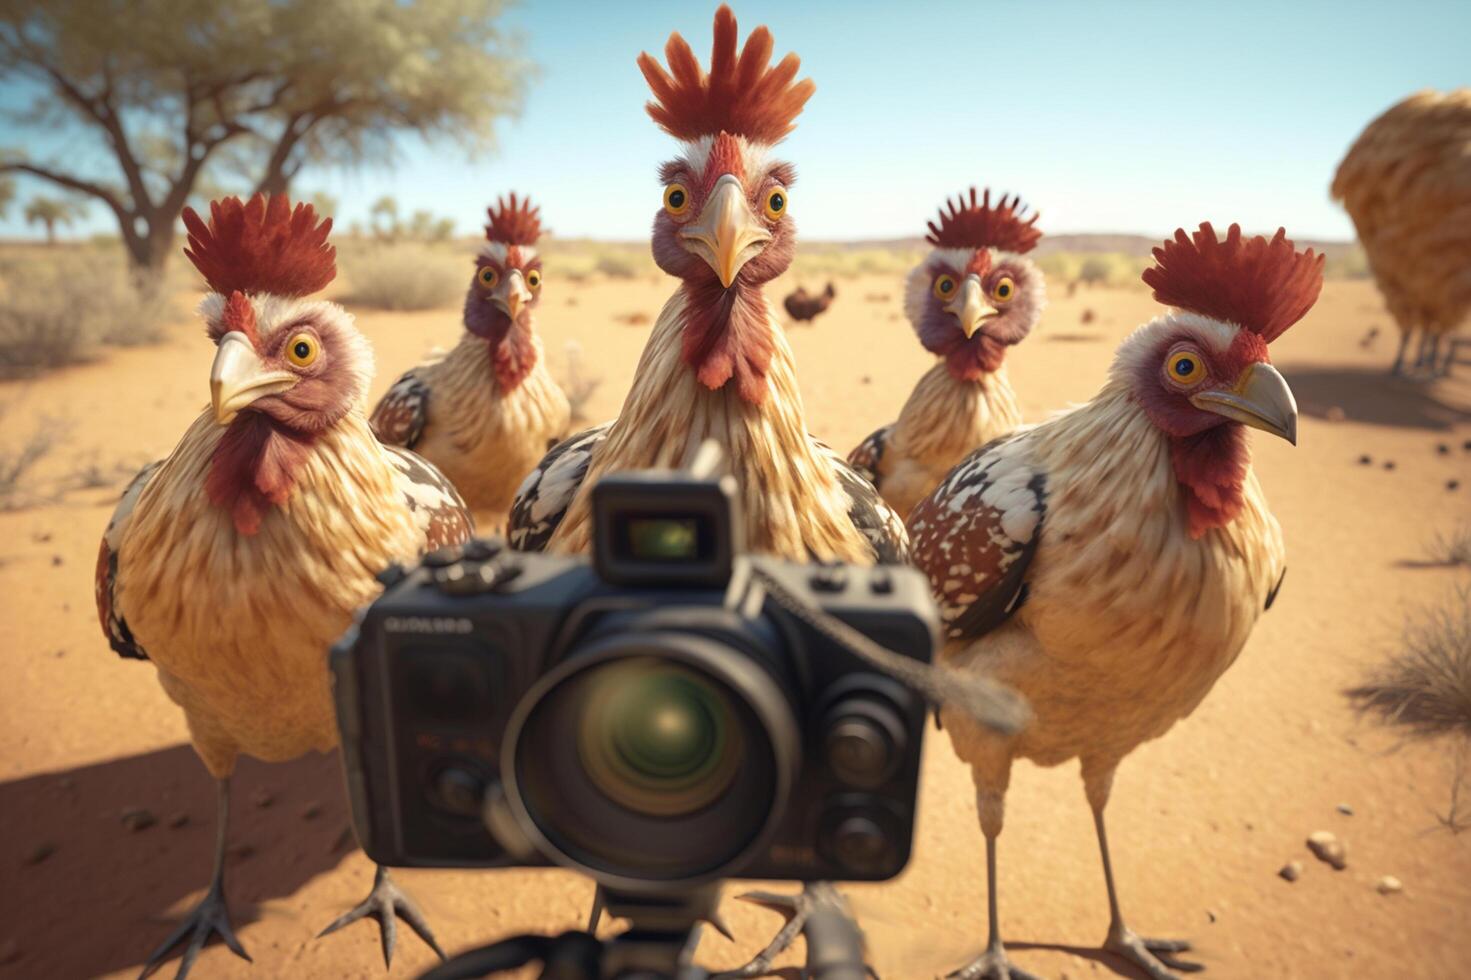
(52, 211)
(1095, 270)
(404, 276)
(245, 94)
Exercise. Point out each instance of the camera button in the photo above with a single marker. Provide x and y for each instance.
(880, 582)
(830, 578)
(440, 557)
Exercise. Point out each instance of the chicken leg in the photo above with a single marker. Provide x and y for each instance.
(388, 903)
(1399, 357)
(993, 963)
(211, 915)
(1154, 956)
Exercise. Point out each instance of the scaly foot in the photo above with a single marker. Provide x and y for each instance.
(991, 965)
(1154, 956)
(388, 903)
(210, 917)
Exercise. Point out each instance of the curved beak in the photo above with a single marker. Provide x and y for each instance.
(970, 307)
(1260, 399)
(238, 377)
(516, 296)
(726, 235)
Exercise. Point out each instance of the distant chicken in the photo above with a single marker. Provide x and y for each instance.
(237, 561)
(973, 296)
(1406, 182)
(717, 365)
(804, 307)
(487, 411)
(1109, 563)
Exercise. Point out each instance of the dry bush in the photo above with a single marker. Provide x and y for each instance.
(1424, 688)
(616, 266)
(406, 276)
(1453, 548)
(57, 308)
(577, 384)
(17, 461)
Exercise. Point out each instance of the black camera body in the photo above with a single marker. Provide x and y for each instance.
(653, 718)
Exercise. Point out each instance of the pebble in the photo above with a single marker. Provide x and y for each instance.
(311, 811)
(136, 818)
(1466, 445)
(178, 820)
(1443, 448)
(1390, 885)
(57, 560)
(865, 380)
(1345, 809)
(242, 852)
(1291, 871)
(40, 852)
(1389, 464)
(1453, 484)
(1365, 459)
(1327, 847)
(263, 798)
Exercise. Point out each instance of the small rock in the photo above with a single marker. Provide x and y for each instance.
(1466, 445)
(1389, 464)
(1443, 448)
(1088, 316)
(59, 654)
(263, 798)
(1211, 915)
(242, 852)
(1453, 484)
(865, 380)
(9, 951)
(178, 820)
(1345, 809)
(1335, 414)
(136, 818)
(1365, 459)
(1390, 885)
(311, 811)
(42, 537)
(40, 852)
(57, 560)
(1328, 848)
(1291, 871)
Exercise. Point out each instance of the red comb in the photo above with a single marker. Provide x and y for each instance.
(742, 95)
(978, 225)
(1264, 286)
(260, 247)
(514, 222)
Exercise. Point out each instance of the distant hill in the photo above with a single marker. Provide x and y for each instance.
(1137, 246)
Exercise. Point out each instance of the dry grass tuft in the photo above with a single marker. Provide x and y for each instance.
(17, 461)
(1453, 548)
(406, 276)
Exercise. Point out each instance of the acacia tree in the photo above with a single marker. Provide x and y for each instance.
(172, 88)
(50, 212)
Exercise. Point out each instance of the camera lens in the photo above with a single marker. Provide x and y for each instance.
(657, 737)
(652, 758)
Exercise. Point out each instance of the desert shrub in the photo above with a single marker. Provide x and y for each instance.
(17, 459)
(616, 266)
(1423, 688)
(59, 308)
(1451, 548)
(406, 276)
(1095, 270)
(1058, 267)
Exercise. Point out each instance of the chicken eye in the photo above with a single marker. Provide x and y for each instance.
(676, 199)
(776, 203)
(944, 287)
(533, 278)
(1184, 368)
(302, 350)
(488, 277)
(1004, 290)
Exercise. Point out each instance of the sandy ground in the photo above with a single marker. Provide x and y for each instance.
(1201, 820)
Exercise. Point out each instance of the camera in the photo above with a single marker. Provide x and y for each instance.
(653, 717)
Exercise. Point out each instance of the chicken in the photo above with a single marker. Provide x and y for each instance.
(804, 307)
(973, 296)
(487, 411)
(236, 562)
(717, 365)
(1406, 183)
(1109, 563)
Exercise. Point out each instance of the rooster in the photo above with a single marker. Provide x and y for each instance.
(1109, 563)
(804, 307)
(1406, 182)
(236, 562)
(973, 296)
(717, 365)
(487, 411)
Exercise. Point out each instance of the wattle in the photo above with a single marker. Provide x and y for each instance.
(1211, 468)
(727, 335)
(254, 467)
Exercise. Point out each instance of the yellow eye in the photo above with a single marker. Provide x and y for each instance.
(1004, 290)
(1184, 368)
(944, 286)
(302, 350)
(776, 203)
(533, 278)
(676, 199)
(488, 277)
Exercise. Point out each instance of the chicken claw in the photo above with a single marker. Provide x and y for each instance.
(210, 916)
(1153, 956)
(388, 903)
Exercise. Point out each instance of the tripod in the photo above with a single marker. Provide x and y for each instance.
(659, 944)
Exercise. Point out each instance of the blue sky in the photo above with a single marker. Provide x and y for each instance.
(1106, 116)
